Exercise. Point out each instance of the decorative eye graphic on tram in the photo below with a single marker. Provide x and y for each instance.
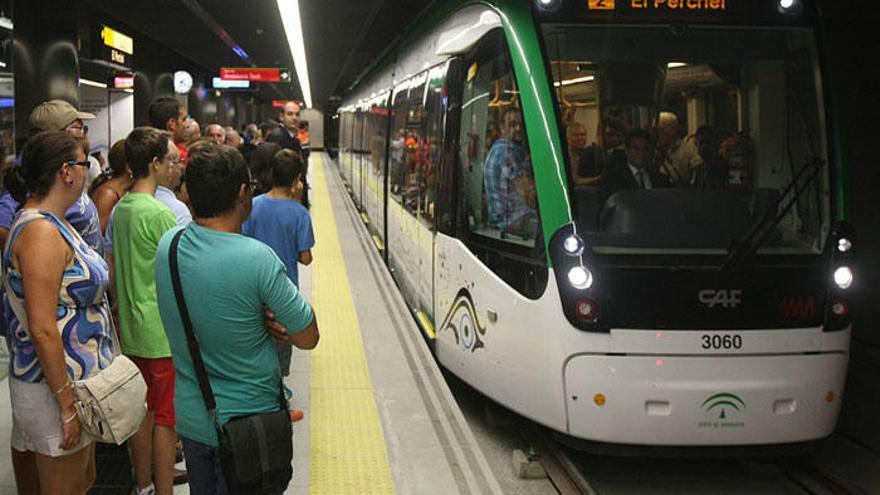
(462, 320)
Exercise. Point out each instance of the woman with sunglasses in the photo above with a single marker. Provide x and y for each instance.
(58, 321)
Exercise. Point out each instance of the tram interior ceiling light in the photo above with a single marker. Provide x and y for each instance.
(580, 277)
(843, 277)
(290, 17)
(95, 84)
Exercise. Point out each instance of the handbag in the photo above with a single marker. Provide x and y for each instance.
(112, 403)
(256, 451)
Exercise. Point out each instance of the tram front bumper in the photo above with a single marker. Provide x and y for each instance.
(704, 400)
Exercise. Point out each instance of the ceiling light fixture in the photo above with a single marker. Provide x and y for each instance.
(289, 11)
(89, 82)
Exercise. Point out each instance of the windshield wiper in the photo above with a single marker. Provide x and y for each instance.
(743, 250)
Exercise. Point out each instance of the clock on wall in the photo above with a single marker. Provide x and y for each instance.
(183, 81)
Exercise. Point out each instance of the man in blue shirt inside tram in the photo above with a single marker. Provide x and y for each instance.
(226, 300)
(509, 187)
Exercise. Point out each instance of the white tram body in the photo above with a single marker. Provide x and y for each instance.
(656, 385)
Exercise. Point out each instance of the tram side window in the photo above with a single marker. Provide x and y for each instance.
(396, 177)
(376, 137)
(407, 145)
(345, 138)
(431, 145)
(499, 187)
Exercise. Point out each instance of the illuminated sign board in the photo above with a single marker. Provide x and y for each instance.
(218, 83)
(281, 103)
(123, 82)
(721, 11)
(115, 39)
(118, 47)
(681, 5)
(255, 74)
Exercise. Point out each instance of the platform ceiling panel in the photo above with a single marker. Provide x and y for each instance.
(343, 38)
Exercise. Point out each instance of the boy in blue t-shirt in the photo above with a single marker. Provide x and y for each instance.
(279, 220)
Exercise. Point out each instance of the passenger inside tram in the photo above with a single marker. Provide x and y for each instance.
(608, 148)
(510, 193)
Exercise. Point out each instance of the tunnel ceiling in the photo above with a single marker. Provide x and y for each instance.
(342, 37)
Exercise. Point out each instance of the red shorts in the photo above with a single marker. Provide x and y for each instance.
(159, 375)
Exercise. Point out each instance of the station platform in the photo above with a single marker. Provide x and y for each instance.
(379, 417)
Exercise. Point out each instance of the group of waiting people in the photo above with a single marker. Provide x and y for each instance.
(72, 266)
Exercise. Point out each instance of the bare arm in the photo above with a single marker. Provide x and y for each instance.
(526, 189)
(586, 181)
(41, 255)
(104, 199)
(108, 256)
(305, 257)
(308, 338)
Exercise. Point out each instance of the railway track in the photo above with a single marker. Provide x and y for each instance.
(573, 473)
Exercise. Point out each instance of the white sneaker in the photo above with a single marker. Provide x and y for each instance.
(150, 490)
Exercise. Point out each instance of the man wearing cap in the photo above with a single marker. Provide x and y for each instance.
(59, 115)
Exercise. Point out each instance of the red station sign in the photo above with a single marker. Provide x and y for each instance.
(250, 74)
(123, 82)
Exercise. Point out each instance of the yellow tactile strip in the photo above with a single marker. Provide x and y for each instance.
(348, 453)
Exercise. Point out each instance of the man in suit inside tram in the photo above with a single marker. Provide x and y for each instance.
(634, 173)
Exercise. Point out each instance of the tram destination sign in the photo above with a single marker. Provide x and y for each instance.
(690, 11)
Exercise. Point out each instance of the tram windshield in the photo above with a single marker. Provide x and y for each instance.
(682, 139)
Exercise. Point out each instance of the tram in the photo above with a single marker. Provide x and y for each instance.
(709, 312)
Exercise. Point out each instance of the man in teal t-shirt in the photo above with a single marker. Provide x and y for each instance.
(139, 220)
(225, 299)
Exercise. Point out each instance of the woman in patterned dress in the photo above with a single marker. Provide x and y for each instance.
(54, 306)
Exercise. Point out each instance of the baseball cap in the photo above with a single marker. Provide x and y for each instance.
(55, 115)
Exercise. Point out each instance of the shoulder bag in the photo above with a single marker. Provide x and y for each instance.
(255, 451)
(111, 404)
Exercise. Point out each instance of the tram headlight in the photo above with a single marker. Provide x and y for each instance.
(580, 277)
(573, 245)
(843, 277)
(551, 5)
(844, 244)
(789, 6)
